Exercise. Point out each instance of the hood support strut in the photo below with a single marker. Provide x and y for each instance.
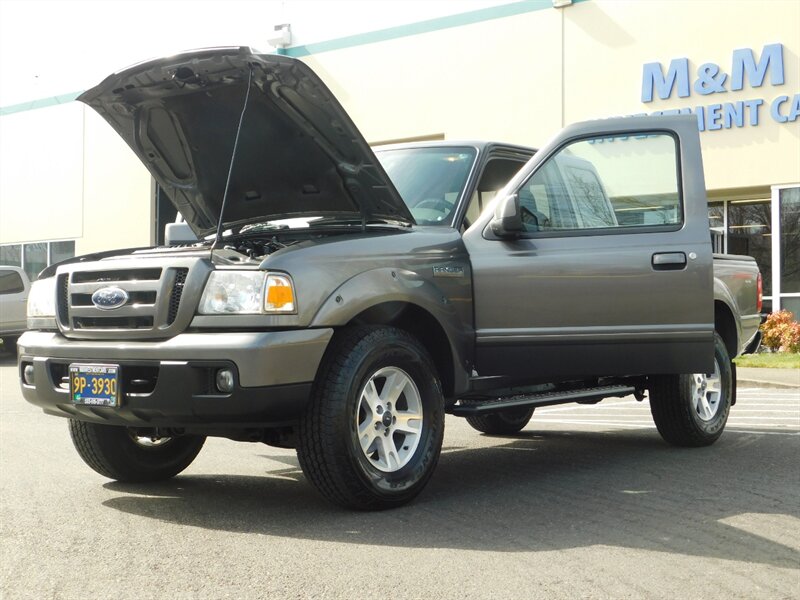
(221, 221)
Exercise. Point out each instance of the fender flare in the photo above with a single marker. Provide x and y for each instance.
(383, 285)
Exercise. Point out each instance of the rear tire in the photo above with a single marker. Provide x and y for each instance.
(692, 410)
(371, 435)
(10, 344)
(117, 453)
(505, 422)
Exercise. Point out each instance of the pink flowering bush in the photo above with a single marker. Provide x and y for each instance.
(781, 332)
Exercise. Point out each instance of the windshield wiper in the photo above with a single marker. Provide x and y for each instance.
(347, 222)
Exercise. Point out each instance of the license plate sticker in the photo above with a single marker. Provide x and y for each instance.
(94, 385)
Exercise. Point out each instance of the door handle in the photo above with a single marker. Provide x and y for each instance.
(669, 261)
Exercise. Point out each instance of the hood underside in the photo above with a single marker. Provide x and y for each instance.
(299, 153)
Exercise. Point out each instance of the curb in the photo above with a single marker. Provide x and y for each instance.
(759, 383)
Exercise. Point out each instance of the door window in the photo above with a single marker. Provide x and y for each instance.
(612, 183)
(10, 282)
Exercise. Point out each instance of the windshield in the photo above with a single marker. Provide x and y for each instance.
(429, 180)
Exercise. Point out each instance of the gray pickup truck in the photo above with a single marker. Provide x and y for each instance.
(341, 301)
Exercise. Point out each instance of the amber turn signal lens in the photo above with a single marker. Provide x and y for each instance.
(280, 294)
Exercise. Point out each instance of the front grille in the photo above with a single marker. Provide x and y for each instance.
(177, 292)
(63, 300)
(154, 297)
(112, 322)
(113, 276)
(134, 298)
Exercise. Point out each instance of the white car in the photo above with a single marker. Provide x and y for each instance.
(14, 288)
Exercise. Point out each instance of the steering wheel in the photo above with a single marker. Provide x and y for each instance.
(439, 204)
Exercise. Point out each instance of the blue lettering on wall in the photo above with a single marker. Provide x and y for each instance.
(710, 76)
(734, 114)
(747, 69)
(653, 77)
(745, 62)
(783, 110)
(709, 80)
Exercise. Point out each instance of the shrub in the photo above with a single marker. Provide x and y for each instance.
(790, 340)
(781, 332)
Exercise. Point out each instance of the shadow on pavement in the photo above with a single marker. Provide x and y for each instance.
(537, 491)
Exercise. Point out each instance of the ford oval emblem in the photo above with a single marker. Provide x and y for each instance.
(109, 298)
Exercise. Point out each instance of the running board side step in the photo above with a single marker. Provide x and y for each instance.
(480, 407)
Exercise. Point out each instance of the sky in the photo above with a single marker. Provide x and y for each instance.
(54, 47)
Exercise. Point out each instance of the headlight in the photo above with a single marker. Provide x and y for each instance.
(42, 299)
(247, 293)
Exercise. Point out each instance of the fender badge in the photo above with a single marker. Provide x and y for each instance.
(448, 271)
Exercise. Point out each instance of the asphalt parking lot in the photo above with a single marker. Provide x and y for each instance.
(585, 502)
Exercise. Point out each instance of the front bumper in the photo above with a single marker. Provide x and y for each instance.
(171, 383)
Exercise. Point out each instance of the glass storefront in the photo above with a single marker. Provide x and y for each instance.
(35, 256)
(789, 211)
(750, 232)
(749, 227)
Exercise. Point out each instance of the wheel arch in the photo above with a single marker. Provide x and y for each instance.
(404, 299)
(423, 326)
(725, 325)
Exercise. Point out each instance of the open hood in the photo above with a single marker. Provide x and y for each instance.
(299, 153)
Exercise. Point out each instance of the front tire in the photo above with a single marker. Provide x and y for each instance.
(118, 453)
(372, 433)
(692, 410)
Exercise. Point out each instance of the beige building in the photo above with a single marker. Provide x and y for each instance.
(516, 72)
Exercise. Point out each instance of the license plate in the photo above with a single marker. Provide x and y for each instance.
(94, 385)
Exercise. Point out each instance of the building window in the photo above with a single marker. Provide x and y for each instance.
(35, 256)
(11, 255)
(789, 211)
(716, 222)
(750, 233)
(34, 259)
(61, 251)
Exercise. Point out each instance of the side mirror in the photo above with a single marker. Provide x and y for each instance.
(178, 233)
(507, 220)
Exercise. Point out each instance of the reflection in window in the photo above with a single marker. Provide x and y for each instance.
(11, 255)
(61, 251)
(750, 233)
(790, 241)
(36, 256)
(614, 182)
(34, 259)
(716, 222)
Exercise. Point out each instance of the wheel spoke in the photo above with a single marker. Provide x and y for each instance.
(367, 439)
(396, 382)
(366, 426)
(408, 423)
(705, 409)
(370, 396)
(390, 458)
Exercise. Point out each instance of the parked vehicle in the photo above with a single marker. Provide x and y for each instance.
(14, 287)
(341, 302)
